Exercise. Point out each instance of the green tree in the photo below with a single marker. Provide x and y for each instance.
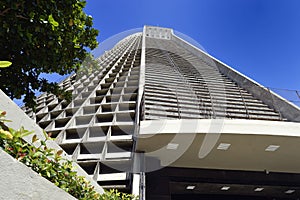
(42, 36)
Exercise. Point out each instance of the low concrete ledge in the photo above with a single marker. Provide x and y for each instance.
(220, 126)
(20, 182)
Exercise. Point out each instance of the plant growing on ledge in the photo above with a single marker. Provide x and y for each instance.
(50, 164)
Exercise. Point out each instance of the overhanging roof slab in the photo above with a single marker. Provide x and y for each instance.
(196, 144)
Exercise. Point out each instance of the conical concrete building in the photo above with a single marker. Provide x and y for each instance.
(162, 118)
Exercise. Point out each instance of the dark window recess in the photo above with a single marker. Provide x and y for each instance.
(64, 104)
(122, 130)
(90, 109)
(91, 148)
(40, 116)
(44, 124)
(79, 89)
(51, 107)
(85, 94)
(78, 102)
(125, 106)
(121, 185)
(101, 92)
(75, 133)
(83, 120)
(54, 114)
(105, 85)
(108, 107)
(96, 100)
(53, 134)
(119, 147)
(70, 112)
(90, 88)
(122, 77)
(69, 148)
(104, 118)
(130, 90)
(109, 80)
(129, 97)
(89, 167)
(119, 84)
(116, 91)
(105, 169)
(99, 131)
(61, 122)
(125, 117)
(38, 109)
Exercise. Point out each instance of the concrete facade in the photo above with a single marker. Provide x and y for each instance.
(158, 105)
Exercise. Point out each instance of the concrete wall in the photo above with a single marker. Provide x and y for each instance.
(19, 119)
(20, 182)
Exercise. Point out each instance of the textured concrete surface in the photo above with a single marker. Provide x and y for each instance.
(21, 183)
(286, 108)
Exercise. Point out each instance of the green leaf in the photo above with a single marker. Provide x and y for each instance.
(5, 120)
(48, 174)
(4, 64)
(45, 134)
(24, 132)
(37, 154)
(43, 143)
(52, 21)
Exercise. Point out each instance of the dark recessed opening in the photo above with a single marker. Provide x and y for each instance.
(104, 118)
(61, 122)
(75, 133)
(89, 167)
(91, 148)
(98, 131)
(122, 130)
(69, 148)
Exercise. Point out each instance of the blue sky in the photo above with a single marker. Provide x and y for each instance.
(260, 38)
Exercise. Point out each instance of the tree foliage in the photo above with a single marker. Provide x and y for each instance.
(40, 36)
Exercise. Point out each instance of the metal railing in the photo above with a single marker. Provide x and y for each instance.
(292, 96)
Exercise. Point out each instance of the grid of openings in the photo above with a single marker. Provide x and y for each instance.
(179, 84)
(97, 126)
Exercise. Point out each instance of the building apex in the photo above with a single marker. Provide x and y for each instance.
(158, 32)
